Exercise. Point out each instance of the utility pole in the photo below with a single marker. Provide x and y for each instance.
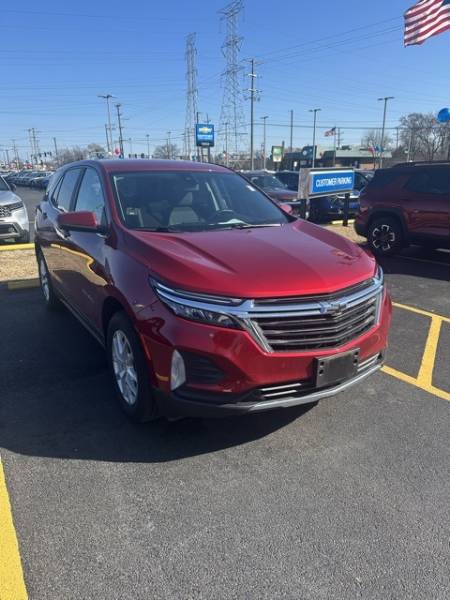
(130, 141)
(291, 147)
(339, 138)
(199, 150)
(169, 148)
(148, 144)
(108, 97)
(56, 151)
(16, 153)
(226, 143)
(119, 123)
(107, 136)
(7, 156)
(264, 119)
(410, 144)
(315, 111)
(253, 91)
(385, 100)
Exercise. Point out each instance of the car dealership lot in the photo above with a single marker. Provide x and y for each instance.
(346, 499)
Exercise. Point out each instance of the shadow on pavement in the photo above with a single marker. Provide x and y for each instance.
(57, 399)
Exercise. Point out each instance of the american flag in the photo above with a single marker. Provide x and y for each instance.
(332, 131)
(425, 19)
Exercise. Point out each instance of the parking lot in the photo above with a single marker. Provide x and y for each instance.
(344, 499)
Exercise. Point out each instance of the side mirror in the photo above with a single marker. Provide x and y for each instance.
(80, 221)
(287, 208)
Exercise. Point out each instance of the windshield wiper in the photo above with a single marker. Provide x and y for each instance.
(254, 225)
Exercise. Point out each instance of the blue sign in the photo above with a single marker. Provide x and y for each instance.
(323, 183)
(204, 135)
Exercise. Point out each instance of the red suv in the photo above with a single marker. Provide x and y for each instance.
(207, 296)
(407, 204)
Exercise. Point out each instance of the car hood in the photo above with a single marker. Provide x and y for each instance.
(296, 258)
(8, 197)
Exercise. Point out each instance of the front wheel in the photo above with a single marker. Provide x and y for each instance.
(385, 236)
(52, 301)
(129, 369)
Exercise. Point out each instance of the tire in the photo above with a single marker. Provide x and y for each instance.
(52, 302)
(385, 236)
(129, 370)
(24, 238)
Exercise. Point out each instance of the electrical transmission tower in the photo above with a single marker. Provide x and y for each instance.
(232, 116)
(191, 96)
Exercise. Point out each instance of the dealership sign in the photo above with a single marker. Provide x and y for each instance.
(204, 135)
(314, 183)
(277, 154)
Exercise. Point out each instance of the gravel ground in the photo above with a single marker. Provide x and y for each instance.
(17, 264)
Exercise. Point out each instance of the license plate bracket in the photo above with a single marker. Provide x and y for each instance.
(336, 369)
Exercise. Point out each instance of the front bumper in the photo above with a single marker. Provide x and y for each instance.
(15, 226)
(253, 379)
(198, 404)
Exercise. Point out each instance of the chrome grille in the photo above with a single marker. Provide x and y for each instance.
(318, 322)
(5, 211)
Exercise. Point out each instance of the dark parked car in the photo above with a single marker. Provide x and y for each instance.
(406, 204)
(208, 298)
(272, 186)
(289, 179)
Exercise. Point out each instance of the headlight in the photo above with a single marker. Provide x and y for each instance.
(197, 307)
(15, 206)
(379, 275)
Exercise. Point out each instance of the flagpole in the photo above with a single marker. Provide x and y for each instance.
(334, 154)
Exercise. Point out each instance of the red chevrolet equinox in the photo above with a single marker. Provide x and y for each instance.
(208, 297)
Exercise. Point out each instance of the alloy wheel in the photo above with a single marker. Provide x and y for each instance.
(124, 367)
(383, 237)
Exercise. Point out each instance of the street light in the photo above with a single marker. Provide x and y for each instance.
(385, 100)
(108, 97)
(315, 111)
(264, 119)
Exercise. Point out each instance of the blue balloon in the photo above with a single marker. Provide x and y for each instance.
(444, 115)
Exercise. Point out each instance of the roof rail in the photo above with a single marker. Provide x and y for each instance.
(419, 163)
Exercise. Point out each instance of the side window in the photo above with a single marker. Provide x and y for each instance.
(90, 195)
(419, 182)
(439, 182)
(66, 189)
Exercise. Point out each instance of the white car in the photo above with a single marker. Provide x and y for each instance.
(14, 223)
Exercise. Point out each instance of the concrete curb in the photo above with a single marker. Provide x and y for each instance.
(22, 284)
(17, 247)
(350, 222)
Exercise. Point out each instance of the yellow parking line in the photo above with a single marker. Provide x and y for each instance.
(424, 379)
(420, 311)
(12, 584)
(412, 381)
(16, 247)
(425, 376)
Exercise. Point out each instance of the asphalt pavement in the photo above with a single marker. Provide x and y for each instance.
(345, 499)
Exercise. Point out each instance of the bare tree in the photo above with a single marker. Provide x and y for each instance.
(372, 137)
(423, 137)
(166, 151)
(68, 155)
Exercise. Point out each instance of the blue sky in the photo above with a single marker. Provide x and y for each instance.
(339, 56)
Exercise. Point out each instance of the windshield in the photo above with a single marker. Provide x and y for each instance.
(3, 185)
(266, 181)
(192, 201)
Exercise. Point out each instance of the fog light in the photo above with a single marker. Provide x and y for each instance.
(177, 371)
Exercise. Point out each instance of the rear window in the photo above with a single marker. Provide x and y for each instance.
(382, 178)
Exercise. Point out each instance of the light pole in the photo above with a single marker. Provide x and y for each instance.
(108, 97)
(315, 111)
(291, 137)
(264, 119)
(148, 144)
(169, 149)
(226, 144)
(119, 122)
(385, 100)
(130, 141)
